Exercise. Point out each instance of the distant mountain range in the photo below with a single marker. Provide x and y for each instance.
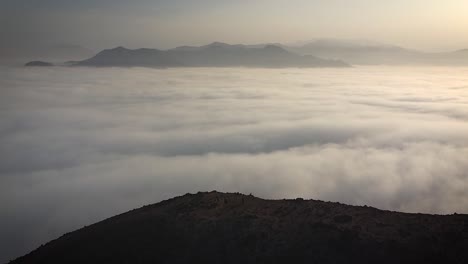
(318, 53)
(234, 228)
(370, 53)
(212, 55)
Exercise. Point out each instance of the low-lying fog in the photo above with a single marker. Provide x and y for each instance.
(78, 145)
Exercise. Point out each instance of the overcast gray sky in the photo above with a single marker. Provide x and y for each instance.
(424, 24)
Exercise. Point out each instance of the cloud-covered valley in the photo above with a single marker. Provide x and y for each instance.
(78, 145)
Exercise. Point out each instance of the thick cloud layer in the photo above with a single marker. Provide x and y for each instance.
(78, 145)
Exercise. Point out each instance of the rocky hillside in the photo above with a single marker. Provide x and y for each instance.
(234, 228)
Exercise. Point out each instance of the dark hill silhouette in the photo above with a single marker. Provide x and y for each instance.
(234, 228)
(121, 56)
(213, 55)
(38, 64)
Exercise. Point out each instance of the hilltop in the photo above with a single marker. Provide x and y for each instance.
(234, 228)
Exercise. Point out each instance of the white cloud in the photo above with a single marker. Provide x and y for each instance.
(79, 145)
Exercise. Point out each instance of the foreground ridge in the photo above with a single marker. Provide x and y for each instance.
(235, 228)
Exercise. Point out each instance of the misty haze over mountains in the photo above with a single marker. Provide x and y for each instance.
(50, 52)
(213, 55)
(369, 53)
(318, 53)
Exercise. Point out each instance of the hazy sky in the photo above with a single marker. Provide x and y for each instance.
(424, 24)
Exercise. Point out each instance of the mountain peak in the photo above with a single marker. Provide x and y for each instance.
(119, 48)
(218, 44)
(39, 64)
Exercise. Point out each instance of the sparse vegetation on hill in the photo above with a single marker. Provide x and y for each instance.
(234, 228)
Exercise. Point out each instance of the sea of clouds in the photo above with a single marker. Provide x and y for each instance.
(78, 145)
